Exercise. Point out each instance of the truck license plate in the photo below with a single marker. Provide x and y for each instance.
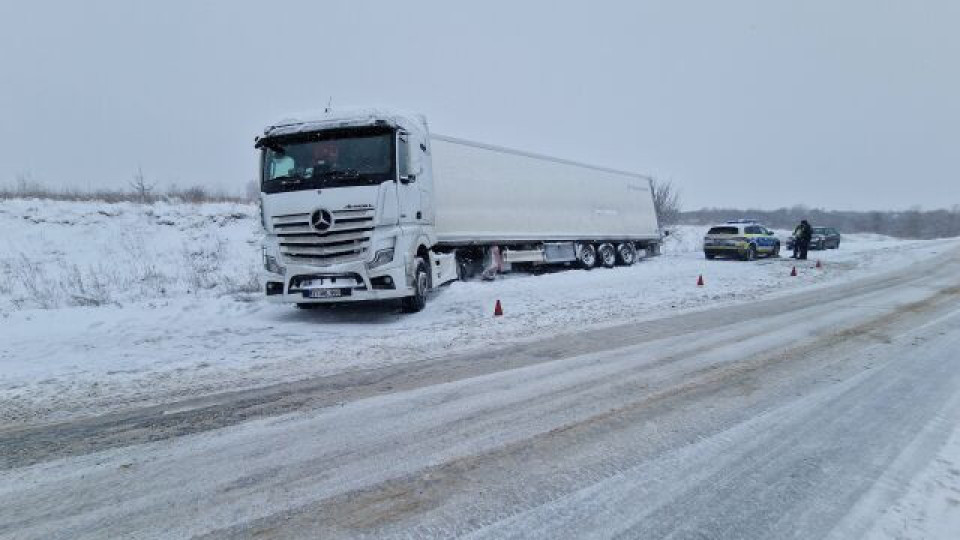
(324, 293)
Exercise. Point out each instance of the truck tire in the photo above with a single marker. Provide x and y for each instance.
(421, 285)
(608, 255)
(710, 256)
(626, 254)
(587, 256)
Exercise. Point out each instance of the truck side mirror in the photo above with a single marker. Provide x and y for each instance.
(415, 161)
(409, 155)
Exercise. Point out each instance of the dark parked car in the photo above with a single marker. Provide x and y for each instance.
(823, 238)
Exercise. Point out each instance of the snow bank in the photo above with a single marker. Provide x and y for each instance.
(684, 239)
(56, 254)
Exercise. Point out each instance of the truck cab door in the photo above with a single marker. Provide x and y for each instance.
(408, 188)
(421, 159)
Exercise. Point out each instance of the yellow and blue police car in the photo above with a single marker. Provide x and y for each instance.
(743, 238)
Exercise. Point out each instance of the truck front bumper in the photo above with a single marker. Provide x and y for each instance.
(346, 282)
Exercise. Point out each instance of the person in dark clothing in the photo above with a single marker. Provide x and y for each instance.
(796, 241)
(802, 243)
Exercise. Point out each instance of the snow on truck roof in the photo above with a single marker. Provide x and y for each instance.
(407, 120)
(314, 121)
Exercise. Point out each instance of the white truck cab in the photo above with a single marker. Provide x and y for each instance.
(345, 199)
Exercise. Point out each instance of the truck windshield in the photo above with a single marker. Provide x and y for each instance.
(327, 159)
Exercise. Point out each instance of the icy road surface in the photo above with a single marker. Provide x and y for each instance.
(805, 415)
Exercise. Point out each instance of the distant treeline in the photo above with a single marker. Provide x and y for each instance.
(914, 223)
(139, 192)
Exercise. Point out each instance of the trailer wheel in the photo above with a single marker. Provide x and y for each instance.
(608, 255)
(626, 254)
(587, 256)
(421, 284)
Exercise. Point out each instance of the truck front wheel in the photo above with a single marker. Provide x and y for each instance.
(421, 284)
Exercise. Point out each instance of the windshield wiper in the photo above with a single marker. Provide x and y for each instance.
(341, 173)
(287, 179)
(346, 174)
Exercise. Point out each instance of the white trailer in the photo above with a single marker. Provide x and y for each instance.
(368, 205)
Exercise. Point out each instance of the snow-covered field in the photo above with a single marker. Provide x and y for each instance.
(104, 306)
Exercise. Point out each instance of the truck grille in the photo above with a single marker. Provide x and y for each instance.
(347, 240)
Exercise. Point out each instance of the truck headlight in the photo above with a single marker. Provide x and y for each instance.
(271, 264)
(383, 256)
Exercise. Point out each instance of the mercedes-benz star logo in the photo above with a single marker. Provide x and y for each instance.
(321, 220)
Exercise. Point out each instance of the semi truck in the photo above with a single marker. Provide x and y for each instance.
(367, 204)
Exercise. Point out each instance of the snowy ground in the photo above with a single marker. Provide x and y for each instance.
(774, 426)
(930, 508)
(109, 306)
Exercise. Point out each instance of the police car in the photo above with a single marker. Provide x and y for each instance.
(743, 238)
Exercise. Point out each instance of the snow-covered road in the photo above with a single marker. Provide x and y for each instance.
(802, 415)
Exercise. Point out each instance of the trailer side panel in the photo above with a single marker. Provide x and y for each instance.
(485, 194)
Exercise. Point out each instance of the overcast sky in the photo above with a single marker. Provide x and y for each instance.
(848, 105)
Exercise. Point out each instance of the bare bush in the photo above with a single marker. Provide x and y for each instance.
(86, 289)
(145, 271)
(249, 282)
(666, 201)
(203, 262)
(6, 279)
(141, 188)
(195, 194)
(33, 280)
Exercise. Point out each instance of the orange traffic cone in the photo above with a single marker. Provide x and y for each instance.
(793, 273)
(819, 264)
(498, 310)
(700, 281)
